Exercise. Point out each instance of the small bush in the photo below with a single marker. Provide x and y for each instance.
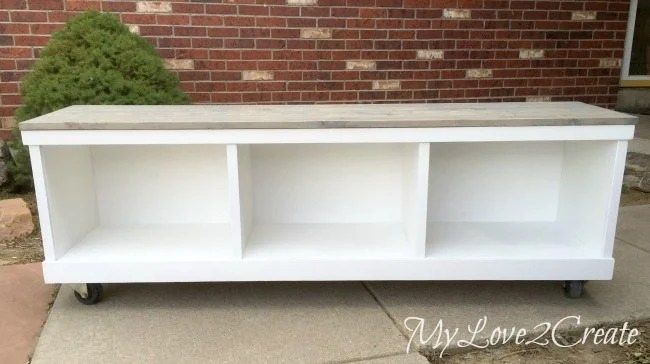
(93, 60)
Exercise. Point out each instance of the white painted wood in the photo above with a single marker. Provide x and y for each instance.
(586, 192)
(534, 202)
(323, 116)
(240, 187)
(617, 172)
(234, 202)
(494, 181)
(42, 201)
(161, 184)
(338, 196)
(316, 183)
(415, 190)
(246, 192)
(329, 270)
(543, 199)
(359, 135)
(71, 196)
(327, 241)
(153, 243)
(505, 240)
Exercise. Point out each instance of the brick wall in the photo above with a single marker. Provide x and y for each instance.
(288, 51)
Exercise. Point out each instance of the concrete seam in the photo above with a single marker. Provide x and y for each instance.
(393, 319)
(634, 245)
(371, 357)
(383, 308)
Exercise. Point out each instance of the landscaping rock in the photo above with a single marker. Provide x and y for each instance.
(15, 219)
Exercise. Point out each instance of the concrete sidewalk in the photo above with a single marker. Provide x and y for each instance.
(641, 142)
(327, 321)
(222, 322)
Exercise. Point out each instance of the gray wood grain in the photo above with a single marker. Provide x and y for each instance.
(432, 115)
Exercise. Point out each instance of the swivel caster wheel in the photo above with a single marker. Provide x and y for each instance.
(89, 293)
(574, 289)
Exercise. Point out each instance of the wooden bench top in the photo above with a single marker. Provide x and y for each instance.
(430, 115)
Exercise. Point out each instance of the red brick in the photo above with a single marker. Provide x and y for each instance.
(45, 4)
(188, 8)
(271, 44)
(271, 86)
(240, 86)
(314, 12)
(139, 18)
(286, 54)
(31, 40)
(229, 97)
(253, 10)
(208, 43)
(155, 30)
(210, 86)
(225, 76)
(173, 19)
(220, 9)
(82, 5)
(317, 55)
(14, 28)
(255, 54)
(7, 64)
(270, 22)
(223, 32)
(285, 96)
(285, 33)
(44, 28)
(288, 75)
(28, 16)
(235, 21)
(209, 20)
(10, 76)
(254, 33)
(204, 64)
(13, 4)
(285, 11)
(118, 6)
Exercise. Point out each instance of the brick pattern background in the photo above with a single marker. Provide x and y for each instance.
(306, 51)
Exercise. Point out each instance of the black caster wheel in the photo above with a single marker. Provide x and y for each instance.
(89, 293)
(574, 289)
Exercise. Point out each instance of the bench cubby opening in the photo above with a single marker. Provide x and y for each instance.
(515, 200)
(140, 203)
(328, 201)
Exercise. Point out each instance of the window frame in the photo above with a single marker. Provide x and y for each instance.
(627, 52)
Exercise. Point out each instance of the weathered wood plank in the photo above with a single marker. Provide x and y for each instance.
(183, 117)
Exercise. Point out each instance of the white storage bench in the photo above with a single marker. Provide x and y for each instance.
(507, 191)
